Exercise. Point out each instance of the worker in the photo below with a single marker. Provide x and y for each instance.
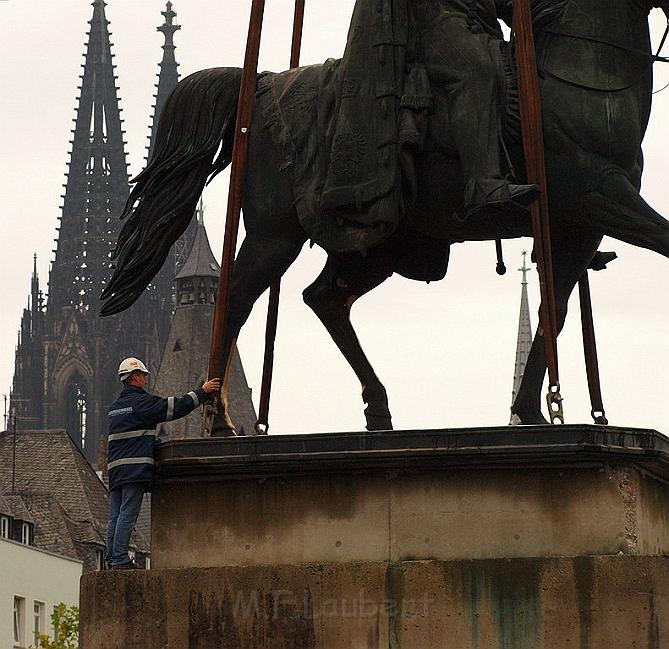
(133, 418)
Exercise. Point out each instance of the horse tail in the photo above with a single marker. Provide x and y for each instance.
(197, 122)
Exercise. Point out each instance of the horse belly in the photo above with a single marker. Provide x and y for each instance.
(439, 206)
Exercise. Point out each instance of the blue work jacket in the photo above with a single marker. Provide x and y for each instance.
(133, 418)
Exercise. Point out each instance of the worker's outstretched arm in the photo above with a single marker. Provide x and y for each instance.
(157, 410)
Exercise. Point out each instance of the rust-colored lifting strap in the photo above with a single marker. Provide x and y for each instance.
(262, 425)
(533, 145)
(590, 351)
(240, 150)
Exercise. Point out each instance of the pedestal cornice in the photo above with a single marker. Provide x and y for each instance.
(500, 447)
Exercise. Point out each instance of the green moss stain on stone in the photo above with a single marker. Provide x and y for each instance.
(473, 584)
(394, 597)
(514, 593)
(654, 500)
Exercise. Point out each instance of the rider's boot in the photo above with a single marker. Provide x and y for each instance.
(497, 193)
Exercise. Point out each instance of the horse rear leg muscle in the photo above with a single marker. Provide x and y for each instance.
(342, 281)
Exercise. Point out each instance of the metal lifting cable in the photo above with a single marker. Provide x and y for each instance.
(533, 144)
(262, 425)
(237, 176)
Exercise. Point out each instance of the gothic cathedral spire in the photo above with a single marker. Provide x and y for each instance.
(65, 375)
(524, 341)
(97, 181)
(168, 77)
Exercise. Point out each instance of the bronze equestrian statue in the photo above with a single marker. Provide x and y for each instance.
(377, 158)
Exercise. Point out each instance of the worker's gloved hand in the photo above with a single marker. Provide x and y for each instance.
(211, 385)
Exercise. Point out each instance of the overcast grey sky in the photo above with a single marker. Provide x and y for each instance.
(445, 351)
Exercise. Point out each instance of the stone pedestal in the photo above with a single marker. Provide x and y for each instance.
(509, 538)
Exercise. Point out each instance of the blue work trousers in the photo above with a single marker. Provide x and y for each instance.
(124, 504)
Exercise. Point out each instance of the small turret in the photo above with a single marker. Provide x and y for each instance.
(34, 285)
(198, 278)
(36, 299)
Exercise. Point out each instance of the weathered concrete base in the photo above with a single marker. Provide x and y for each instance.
(604, 602)
(530, 491)
(449, 539)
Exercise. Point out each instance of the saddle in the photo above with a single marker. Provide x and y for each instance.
(298, 109)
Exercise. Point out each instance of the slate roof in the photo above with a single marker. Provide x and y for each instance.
(5, 507)
(201, 261)
(58, 491)
(52, 532)
(18, 508)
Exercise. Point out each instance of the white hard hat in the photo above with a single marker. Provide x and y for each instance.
(129, 365)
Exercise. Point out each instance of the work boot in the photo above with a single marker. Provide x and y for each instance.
(497, 193)
(129, 565)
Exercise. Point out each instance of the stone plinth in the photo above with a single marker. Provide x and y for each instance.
(516, 538)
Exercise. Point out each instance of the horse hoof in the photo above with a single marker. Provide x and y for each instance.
(377, 414)
(531, 417)
(223, 431)
(378, 422)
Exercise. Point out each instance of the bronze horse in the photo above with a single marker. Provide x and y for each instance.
(596, 84)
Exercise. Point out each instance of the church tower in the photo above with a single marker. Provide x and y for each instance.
(524, 341)
(185, 359)
(67, 355)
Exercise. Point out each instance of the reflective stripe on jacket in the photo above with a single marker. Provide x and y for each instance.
(133, 418)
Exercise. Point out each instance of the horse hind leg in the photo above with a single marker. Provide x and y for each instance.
(261, 262)
(571, 257)
(342, 281)
(619, 211)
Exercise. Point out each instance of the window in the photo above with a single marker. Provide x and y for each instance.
(4, 527)
(19, 621)
(99, 560)
(81, 415)
(76, 413)
(38, 620)
(25, 533)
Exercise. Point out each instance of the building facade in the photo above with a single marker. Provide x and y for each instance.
(32, 583)
(52, 499)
